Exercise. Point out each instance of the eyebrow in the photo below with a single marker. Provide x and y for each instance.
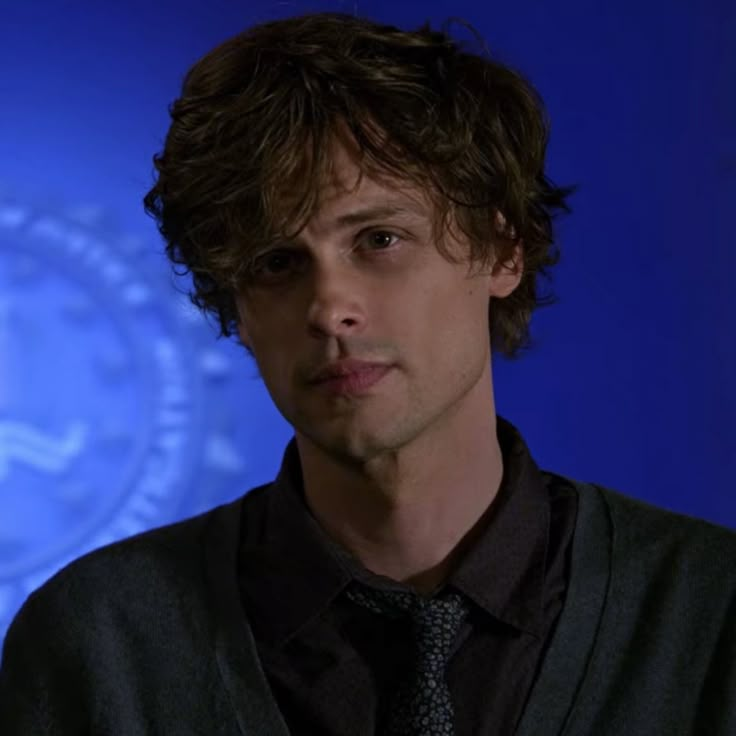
(375, 213)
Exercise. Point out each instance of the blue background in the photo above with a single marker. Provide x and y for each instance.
(631, 382)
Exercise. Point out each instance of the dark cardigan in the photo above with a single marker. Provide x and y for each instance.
(148, 635)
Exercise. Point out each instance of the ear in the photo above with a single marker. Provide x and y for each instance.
(505, 277)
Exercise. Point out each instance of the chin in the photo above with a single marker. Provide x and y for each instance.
(348, 446)
(356, 447)
(364, 445)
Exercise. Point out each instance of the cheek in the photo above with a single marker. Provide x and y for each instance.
(261, 325)
(456, 322)
(276, 344)
(457, 303)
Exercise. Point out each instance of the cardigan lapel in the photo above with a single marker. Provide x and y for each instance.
(563, 669)
(248, 690)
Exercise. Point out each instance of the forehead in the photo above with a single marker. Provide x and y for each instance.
(348, 181)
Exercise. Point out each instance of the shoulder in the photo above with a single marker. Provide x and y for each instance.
(655, 553)
(646, 527)
(660, 532)
(664, 590)
(138, 592)
(685, 564)
(156, 568)
(121, 622)
(164, 552)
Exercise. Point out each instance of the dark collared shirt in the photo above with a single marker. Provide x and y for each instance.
(333, 665)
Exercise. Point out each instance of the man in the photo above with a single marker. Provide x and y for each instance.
(367, 209)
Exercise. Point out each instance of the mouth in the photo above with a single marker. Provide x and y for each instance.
(353, 381)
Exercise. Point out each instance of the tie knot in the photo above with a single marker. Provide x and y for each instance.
(434, 618)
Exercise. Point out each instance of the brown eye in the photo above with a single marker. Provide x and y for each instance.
(380, 239)
(276, 263)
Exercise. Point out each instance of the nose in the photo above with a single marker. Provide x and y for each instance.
(335, 307)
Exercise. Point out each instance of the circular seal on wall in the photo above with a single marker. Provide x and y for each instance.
(106, 380)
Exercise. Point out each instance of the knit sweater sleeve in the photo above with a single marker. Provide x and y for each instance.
(717, 703)
(41, 678)
(665, 658)
(119, 642)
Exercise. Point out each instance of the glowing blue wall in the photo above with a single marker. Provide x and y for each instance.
(118, 409)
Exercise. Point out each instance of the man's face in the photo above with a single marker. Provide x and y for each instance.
(363, 280)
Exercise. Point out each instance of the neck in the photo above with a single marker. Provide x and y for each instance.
(410, 514)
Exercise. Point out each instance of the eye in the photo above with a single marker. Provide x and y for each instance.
(275, 263)
(380, 239)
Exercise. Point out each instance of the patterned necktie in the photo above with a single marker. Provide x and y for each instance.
(422, 705)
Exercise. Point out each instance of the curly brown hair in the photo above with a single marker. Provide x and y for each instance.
(248, 147)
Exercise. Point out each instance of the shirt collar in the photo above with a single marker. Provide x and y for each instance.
(291, 571)
(503, 572)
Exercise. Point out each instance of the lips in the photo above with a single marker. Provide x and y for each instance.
(350, 376)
